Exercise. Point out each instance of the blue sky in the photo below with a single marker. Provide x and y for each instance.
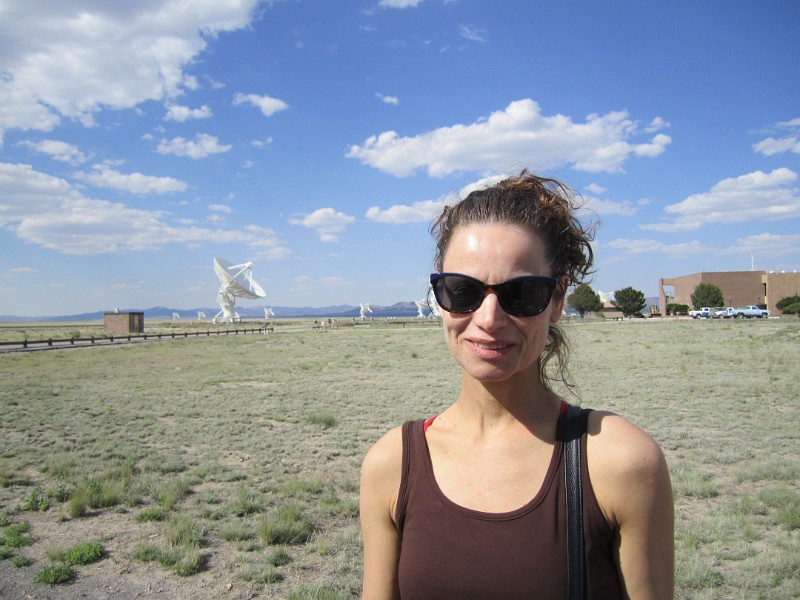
(138, 140)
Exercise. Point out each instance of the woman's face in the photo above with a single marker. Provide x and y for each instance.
(489, 344)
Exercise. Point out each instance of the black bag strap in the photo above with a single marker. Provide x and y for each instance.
(572, 469)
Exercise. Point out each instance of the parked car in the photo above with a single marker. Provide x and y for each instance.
(748, 312)
(705, 312)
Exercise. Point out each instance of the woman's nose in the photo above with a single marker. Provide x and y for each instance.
(490, 315)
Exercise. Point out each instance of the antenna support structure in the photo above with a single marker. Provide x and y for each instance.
(236, 281)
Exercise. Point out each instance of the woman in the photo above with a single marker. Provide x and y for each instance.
(470, 503)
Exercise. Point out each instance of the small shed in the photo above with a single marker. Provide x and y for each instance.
(123, 322)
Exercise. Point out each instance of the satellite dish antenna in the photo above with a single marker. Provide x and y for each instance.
(201, 314)
(235, 281)
(364, 309)
(433, 304)
(421, 306)
(268, 312)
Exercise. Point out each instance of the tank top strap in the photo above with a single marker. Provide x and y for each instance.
(413, 438)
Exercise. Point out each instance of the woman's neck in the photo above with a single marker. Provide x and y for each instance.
(523, 399)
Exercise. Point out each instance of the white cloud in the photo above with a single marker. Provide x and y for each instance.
(425, 210)
(136, 183)
(767, 245)
(656, 124)
(764, 246)
(645, 246)
(393, 100)
(326, 221)
(790, 143)
(202, 146)
(58, 150)
(176, 112)
(23, 270)
(517, 135)
(72, 59)
(47, 211)
(471, 33)
(262, 143)
(771, 146)
(223, 208)
(267, 105)
(399, 3)
(595, 188)
(624, 208)
(756, 196)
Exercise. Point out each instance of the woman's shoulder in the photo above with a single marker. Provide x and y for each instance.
(624, 461)
(383, 461)
(381, 471)
(618, 437)
(387, 449)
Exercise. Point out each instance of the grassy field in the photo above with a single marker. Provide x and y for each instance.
(228, 466)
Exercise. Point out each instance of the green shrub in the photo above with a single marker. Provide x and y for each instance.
(184, 561)
(55, 574)
(280, 558)
(285, 527)
(16, 536)
(20, 560)
(182, 531)
(150, 553)
(36, 500)
(323, 418)
(189, 563)
(169, 494)
(304, 488)
(316, 593)
(60, 493)
(6, 552)
(246, 501)
(236, 533)
(103, 493)
(152, 513)
(78, 503)
(789, 305)
(266, 575)
(82, 554)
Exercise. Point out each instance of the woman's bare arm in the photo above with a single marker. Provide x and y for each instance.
(632, 485)
(380, 483)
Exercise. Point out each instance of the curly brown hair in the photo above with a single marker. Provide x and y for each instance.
(542, 205)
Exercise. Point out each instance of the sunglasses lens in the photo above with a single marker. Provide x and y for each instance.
(457, 293)
(524, 296)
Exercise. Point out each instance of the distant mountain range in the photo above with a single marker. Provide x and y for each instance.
(342, 311)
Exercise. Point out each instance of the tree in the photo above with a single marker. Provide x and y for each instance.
(584, 300)
(707, 294)
(789, 305)
(678, 309)
(629, 301)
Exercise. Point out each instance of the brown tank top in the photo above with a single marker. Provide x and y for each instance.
(451, 552)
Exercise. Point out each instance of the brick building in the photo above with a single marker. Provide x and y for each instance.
(123, 322)
(739, 288)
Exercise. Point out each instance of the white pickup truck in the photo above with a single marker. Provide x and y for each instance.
(748, 312)
(705, 312)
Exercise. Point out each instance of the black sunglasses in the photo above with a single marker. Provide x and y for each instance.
(525, 296)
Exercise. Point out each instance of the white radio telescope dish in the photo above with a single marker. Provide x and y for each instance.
(433, 304)
(235, 281)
